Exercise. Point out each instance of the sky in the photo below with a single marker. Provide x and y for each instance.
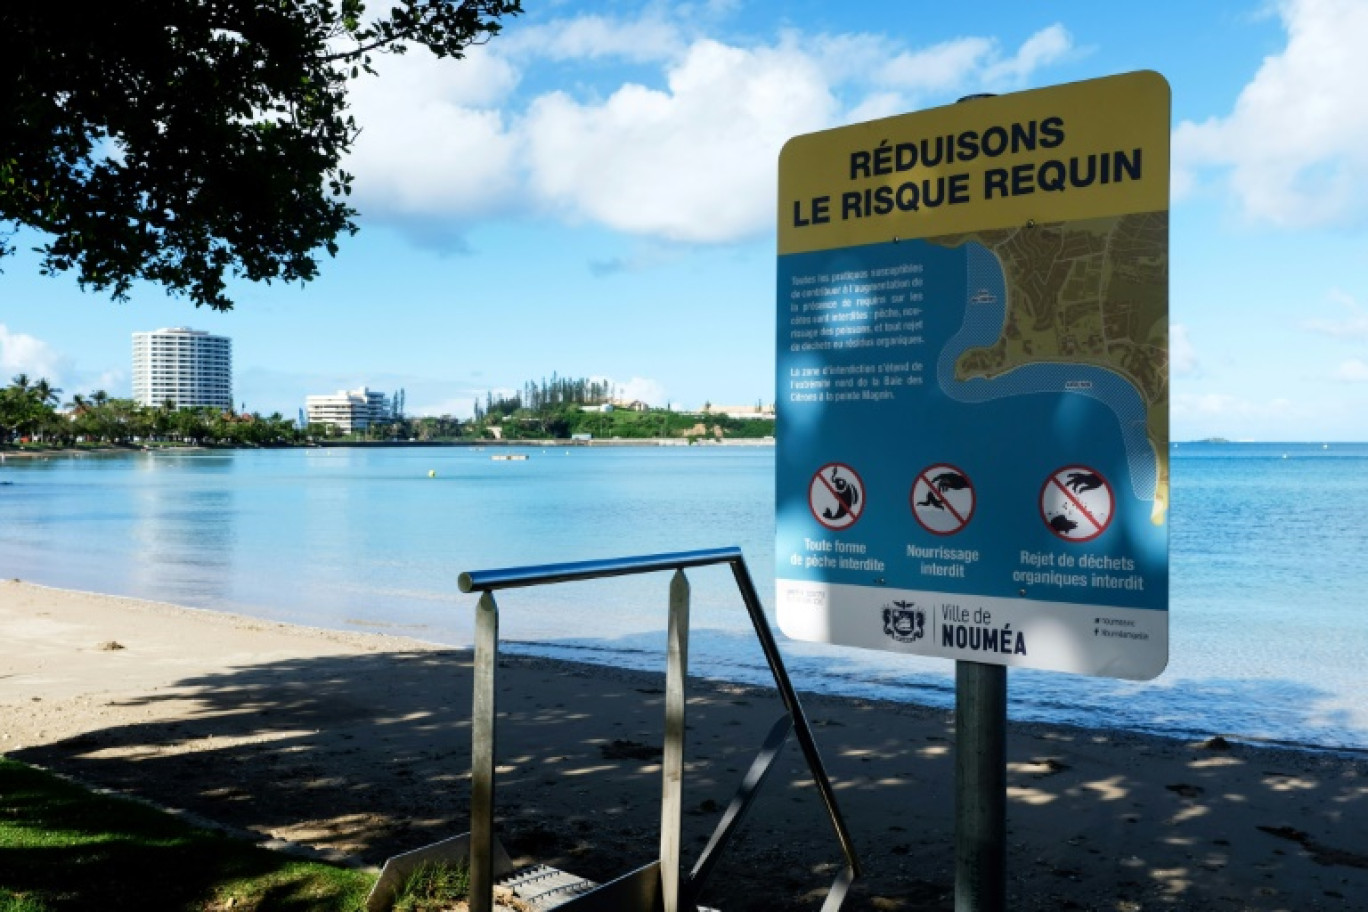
(592, 194)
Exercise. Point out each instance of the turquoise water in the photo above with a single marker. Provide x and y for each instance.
(1269, 626)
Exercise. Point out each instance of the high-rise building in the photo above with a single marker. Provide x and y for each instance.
(348, 410)
(182, 366)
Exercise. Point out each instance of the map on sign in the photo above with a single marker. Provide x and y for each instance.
(1094, 293)
(972, 456)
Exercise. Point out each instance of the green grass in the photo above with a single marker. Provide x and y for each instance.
(433, 887)
(65, 848)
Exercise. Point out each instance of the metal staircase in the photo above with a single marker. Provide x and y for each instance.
(661, 885)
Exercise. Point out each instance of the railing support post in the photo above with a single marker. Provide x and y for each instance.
(672, 786)
(482, 756)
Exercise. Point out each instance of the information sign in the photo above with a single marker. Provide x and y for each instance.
(973, 381)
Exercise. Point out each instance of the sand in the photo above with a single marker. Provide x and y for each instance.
(358, 745)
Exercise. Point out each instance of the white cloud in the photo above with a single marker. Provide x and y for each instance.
(1206, 404)
(459, 407)
(878, 105)
(1197, 416)
(687, 158)
(112, 381)
(24, 354)
(708, 9)
(975, 63)
(646, 256)
(694, 163)
(433, 139)
(1352, 371)
(1045, 47)
(843, 58)
(1224, 405)
(1183, 360)
(1354, 325)
(1295, 148)
(644, 40)
(639, 388)
(940, 67)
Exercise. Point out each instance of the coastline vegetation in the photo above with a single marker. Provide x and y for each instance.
(33, 415)
(564, 408)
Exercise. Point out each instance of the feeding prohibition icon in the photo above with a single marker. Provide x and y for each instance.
(942, 499)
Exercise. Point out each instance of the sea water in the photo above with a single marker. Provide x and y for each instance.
(1269, 615)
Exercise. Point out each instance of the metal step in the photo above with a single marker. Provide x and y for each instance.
(543, 887)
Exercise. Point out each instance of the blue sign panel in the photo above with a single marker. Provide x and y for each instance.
(973, 440)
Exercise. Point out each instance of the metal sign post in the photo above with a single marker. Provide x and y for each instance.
(980, 787)
(980, 778)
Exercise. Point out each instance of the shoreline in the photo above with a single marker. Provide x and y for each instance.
(533, 652)
(359, 743)
(1228, 661)
(31, 452)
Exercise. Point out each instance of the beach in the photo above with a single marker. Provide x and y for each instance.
(358, 746)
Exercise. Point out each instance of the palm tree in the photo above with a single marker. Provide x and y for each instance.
(26, 405)
(45, 393)
(9, 414)
(160, 418)
(85, 420)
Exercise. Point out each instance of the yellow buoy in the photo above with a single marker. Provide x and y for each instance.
(432, 473)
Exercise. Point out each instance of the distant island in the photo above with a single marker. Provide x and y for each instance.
(581, 409)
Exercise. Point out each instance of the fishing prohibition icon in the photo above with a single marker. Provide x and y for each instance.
(836, 496)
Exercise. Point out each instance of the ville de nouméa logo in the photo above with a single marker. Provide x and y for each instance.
(904, 621)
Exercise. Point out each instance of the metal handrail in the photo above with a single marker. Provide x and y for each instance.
(517, 577)
(489, 581)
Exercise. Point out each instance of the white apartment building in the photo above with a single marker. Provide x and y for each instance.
(348, 410)
(184, 366)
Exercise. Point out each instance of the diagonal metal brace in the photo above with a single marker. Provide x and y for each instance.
(839, 888)
(736, 811)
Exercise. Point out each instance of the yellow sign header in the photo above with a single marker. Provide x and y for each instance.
(1083, 150)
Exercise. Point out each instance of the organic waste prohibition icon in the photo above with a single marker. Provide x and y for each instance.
(1076, 502)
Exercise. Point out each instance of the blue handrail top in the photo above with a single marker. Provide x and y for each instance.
(513, 577)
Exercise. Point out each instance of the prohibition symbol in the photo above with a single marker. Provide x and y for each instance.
(1076, 503)
(942, 499)
(836, 496)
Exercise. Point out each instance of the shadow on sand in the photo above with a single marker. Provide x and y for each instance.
(370, 755)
